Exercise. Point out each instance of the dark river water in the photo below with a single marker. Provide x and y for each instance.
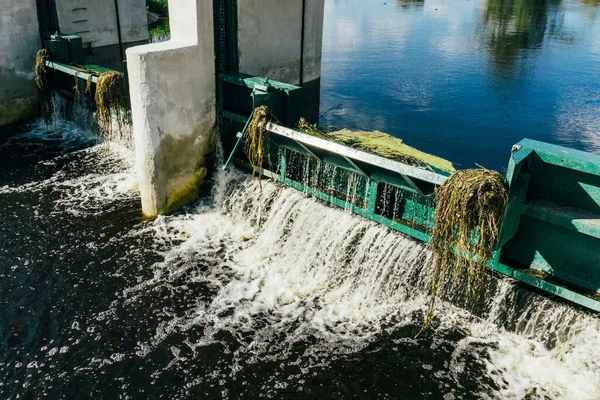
(266, 293)
(465, 80)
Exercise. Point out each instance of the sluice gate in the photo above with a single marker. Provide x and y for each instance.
(550, 233)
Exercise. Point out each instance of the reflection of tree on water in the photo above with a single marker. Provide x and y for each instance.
(513, 29)
(410, 3)
(592, 4)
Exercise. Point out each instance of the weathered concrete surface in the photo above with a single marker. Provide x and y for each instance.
(269, 39)
(19, 42)
(96, 21)
(172, 87)
(270, 43)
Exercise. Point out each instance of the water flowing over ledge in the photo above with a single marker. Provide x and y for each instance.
(247, 295)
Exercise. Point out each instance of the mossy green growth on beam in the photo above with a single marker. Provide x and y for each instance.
(381, 144)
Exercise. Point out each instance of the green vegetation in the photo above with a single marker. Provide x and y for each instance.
(381, 144)
(160, 30)
(469, 211)
(160, 7)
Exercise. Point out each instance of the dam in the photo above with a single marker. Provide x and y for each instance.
(153, 262)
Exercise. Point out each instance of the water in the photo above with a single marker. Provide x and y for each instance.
(243, 296)
(465, 79)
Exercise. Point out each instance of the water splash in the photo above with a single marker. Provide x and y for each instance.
(287, 271)
(243, 295)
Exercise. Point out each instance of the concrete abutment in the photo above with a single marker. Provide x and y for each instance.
(173, 87)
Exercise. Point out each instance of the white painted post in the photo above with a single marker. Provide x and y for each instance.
(172, 89)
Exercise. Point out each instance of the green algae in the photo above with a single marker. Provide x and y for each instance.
(186, 194)
(380, 144)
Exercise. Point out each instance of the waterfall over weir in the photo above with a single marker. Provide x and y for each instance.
(251, 292)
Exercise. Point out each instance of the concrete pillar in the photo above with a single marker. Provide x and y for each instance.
(19, 42)
(172, 87)
(270, 44)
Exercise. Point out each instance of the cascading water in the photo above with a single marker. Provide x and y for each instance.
(246, 295)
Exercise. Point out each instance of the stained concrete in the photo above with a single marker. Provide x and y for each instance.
(96, 21)
(173, 108)
(269, 39)
(270, 43)
(19, 41)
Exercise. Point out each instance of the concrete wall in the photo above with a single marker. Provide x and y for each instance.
(19, 42)
(96, 23)
(269, 38)
(172, 87)
(269, 41)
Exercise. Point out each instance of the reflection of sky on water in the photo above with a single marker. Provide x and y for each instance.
(466, 79)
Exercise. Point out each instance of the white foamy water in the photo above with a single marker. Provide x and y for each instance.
(87, 172)
(286, 269)
(291, 280)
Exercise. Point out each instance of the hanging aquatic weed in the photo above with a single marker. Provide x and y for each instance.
(312, 129)
(76, 87)
(380, 144)
(256, 137)
(469, 211)
(111, 102)
(88, 84)
(41, 81)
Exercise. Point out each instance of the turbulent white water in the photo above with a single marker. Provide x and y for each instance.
(290, 280)
(286, 268)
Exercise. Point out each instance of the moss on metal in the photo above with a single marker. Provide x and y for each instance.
(111, 102)
(41, 81)
(381, 144)
(469, 211)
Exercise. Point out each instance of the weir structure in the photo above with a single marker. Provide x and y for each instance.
(178, 87)
(87, 33)
(228, 57)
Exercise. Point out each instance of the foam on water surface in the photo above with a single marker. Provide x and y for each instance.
(301, 272)
(254, 291)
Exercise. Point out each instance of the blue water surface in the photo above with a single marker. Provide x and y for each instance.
(465, 79)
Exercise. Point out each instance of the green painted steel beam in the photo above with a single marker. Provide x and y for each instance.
(234, 117)
(546, 286)
(569, 218)
(79, 71)
(67, 69)
(564, 157)
(357, 155)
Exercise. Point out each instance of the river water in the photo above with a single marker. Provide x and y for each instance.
(465, 79)
(245, 295)
(249, 293)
